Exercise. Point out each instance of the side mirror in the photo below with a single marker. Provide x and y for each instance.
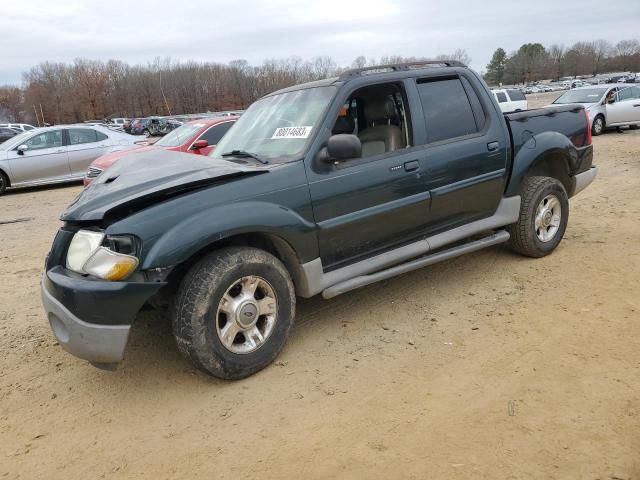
(343, 146)
(22, 148)
(198, 144)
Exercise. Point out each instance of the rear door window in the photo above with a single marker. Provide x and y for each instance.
(78, 136)
(516, 95)
(627, 94)
(501, 96)
(447, 110)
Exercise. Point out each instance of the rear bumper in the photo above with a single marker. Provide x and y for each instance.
(90, 318)
(584, 179)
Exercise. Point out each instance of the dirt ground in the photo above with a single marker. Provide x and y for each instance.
(487, 366)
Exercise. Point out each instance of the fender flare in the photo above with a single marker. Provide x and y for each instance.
(538, 149)
(211, 225)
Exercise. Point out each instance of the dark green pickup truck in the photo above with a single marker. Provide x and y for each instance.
(319, 188)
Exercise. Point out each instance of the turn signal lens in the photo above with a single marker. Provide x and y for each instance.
(110, 265)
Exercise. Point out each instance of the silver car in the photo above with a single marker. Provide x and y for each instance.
(55, 154)
(609, 105)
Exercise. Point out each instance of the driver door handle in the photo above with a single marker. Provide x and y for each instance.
(411, 166)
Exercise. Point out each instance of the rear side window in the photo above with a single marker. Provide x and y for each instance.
(476, 106)
(501, 97)
(215, 133)
(446, 107)
(101, 136)
(516, 95)
(78, 136)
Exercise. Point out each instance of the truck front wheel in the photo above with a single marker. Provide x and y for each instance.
(544, 212)
(233, 312)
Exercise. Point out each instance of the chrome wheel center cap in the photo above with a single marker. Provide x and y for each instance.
(547, 217)
(247, 315)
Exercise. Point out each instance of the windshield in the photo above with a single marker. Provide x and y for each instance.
(180, 135)
(587, 95)
(278, 126)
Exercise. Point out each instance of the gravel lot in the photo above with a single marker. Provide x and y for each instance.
(487, 366)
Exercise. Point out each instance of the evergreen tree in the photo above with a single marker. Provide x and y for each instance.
(495, 68)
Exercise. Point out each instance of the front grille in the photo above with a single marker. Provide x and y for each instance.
(93, 172)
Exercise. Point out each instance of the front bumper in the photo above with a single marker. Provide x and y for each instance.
(91, 319)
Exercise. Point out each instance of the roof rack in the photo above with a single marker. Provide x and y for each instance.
(397, 67)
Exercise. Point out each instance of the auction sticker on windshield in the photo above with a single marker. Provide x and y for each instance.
(291, 132)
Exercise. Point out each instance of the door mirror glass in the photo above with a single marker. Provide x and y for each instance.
(344, 146)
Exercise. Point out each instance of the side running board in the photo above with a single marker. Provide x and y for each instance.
(362, 280)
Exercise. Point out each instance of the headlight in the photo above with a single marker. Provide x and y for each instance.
(82, 246)
(88, 255)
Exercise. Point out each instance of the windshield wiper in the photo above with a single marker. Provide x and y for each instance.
(242, 153)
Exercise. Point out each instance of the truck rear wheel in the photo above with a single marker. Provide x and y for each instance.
(233, 312)
(544, 212)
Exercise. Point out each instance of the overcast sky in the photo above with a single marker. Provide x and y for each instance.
(136, 31)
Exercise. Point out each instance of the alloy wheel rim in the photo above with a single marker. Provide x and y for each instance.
(598, 125)
(246, 314)
(548, 218)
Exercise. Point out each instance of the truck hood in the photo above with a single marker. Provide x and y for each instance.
(141, 180)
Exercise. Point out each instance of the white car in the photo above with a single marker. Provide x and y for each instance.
(612, 105)
(20, 126)
(55, 154)
(510, 100)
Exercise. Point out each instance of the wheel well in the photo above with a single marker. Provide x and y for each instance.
(555, 166)
(273, 244)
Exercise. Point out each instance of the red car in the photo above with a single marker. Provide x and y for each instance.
(198, 137)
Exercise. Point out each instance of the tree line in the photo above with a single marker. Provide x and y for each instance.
(56, 92)
(93, 89)
(532, 61)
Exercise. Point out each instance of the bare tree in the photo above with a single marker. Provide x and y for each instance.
(626, 51)
(556, 57)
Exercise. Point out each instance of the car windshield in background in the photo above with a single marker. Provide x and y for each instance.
(588, 95)
(278, 126)
(180, 135)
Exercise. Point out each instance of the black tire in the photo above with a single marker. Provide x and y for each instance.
(525, 236)
(634, 127)
(4, 182)
(598, 126)
(196, 319)
(146, 133)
